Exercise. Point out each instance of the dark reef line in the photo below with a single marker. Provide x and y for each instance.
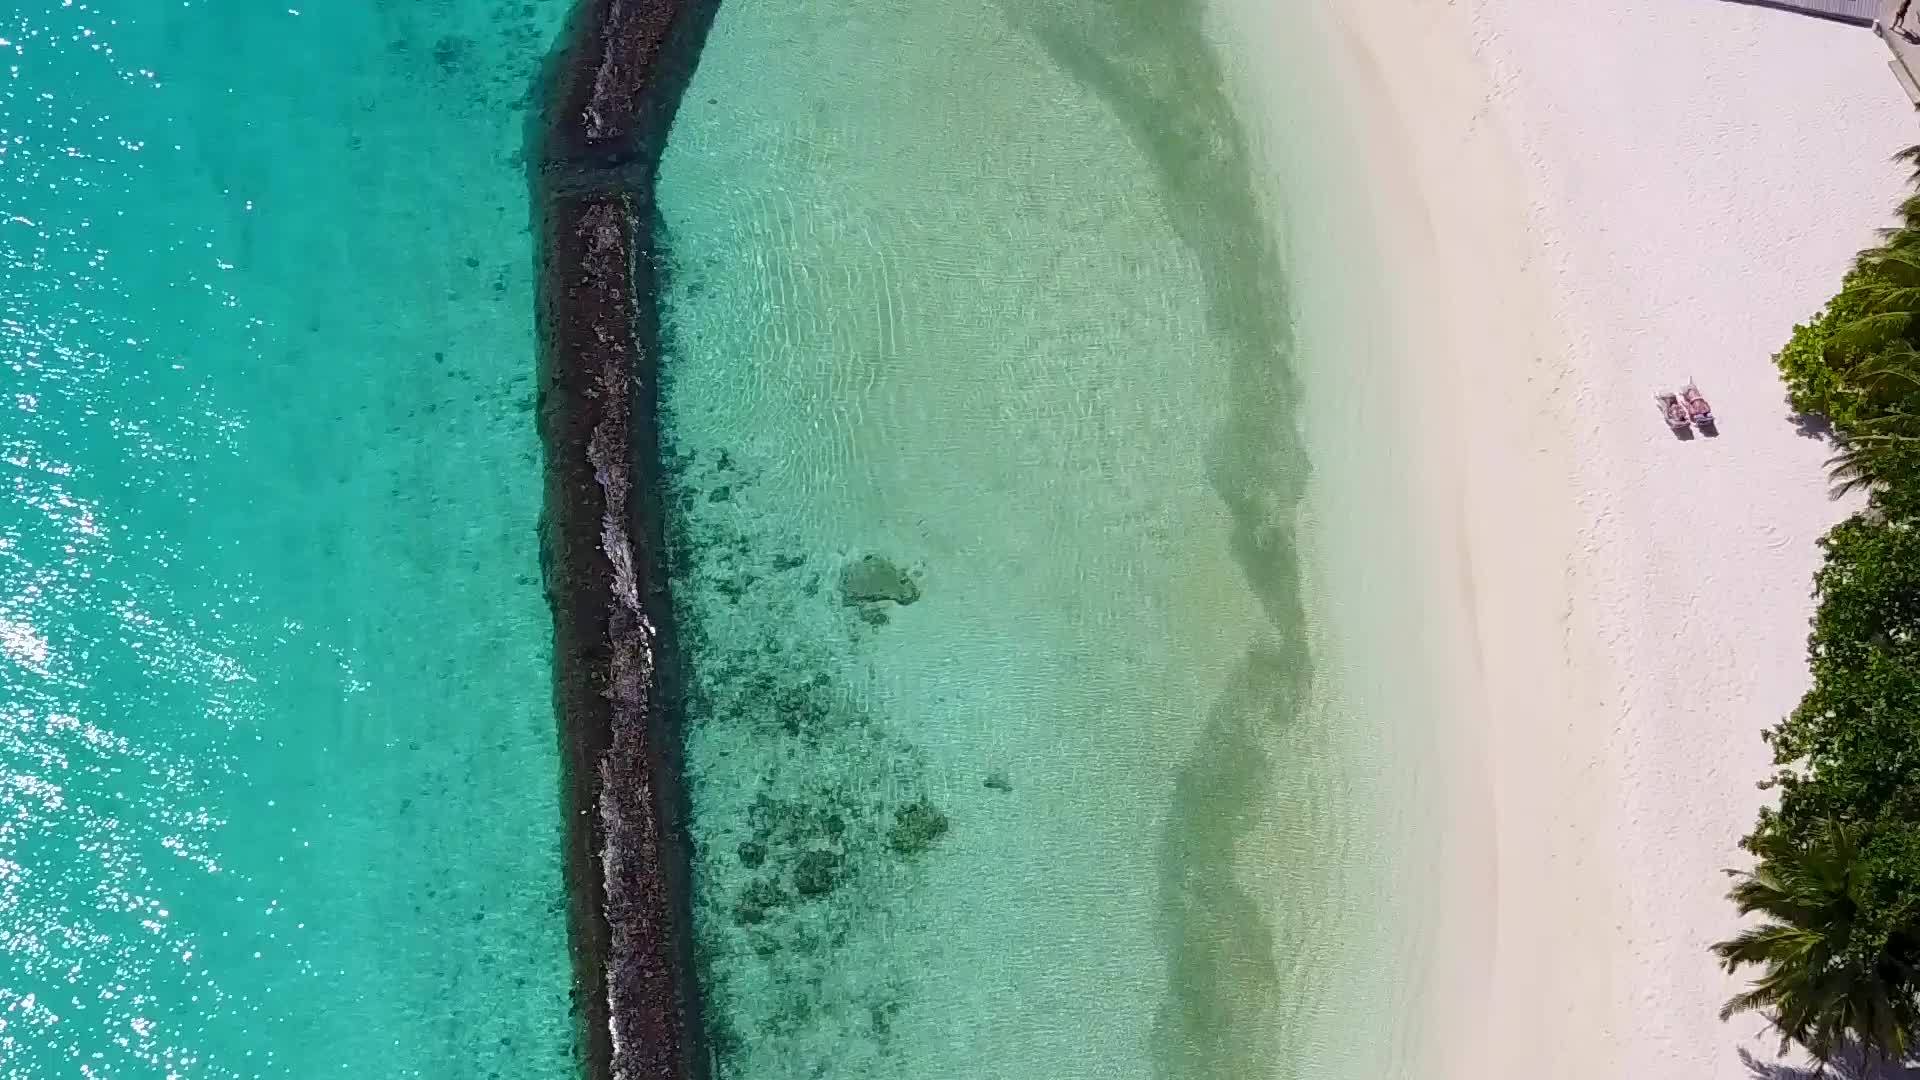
(607, 99)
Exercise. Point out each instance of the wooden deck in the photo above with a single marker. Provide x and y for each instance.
(1878, 15)
(1856, 12)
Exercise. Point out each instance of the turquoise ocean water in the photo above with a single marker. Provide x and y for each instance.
(277, 769)
(973, 299)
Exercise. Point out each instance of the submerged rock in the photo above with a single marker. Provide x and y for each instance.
(814, 873)
(757, 900)
(873, 579)
(915, 827)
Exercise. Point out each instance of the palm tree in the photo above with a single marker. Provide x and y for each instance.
(1851, 469)
(1909, 209)
(1884, 287)
(1873, 351)
(1876, 450)
(1887, 287)
(1832, 972)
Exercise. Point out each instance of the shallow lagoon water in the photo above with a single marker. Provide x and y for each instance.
(986, 292)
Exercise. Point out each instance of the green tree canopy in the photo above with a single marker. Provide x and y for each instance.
(1850, 752)
(1831, 971)
(1837, 878)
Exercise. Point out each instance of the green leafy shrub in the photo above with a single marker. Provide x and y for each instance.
(1816, 362)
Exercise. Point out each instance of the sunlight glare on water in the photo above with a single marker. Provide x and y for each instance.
(277, 770)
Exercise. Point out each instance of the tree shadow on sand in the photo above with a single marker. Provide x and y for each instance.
(1848, 1066)
(1809, 425)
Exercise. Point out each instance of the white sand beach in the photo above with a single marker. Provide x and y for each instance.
(1577, 206)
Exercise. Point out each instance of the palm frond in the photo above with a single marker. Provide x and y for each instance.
(1820, 982)
(1850, 470)
(1910, 156)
